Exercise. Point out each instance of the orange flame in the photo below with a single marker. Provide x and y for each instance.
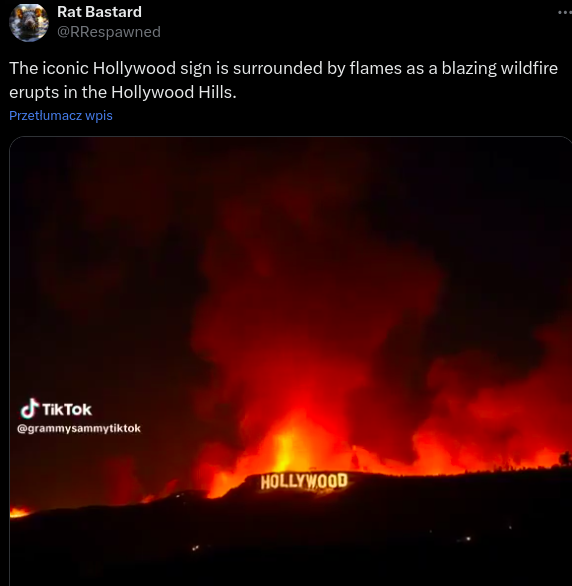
(300, 444)
(16, 512)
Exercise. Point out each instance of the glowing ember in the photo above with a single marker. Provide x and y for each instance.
(16, 512)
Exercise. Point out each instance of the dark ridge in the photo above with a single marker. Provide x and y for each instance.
(415, 526)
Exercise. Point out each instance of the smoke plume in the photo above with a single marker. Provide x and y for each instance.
(311, 319)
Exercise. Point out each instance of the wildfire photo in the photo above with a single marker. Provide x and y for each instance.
(390, 306)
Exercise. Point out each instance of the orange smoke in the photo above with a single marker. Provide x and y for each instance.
(314, 325)
(482, 423)
(302, 299)
(16, 512)
(122, 484)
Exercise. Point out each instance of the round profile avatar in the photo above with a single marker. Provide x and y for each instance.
(29, 22)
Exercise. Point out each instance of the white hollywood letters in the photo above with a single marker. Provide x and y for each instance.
(304, 480)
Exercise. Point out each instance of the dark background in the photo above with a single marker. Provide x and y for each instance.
(309, 105)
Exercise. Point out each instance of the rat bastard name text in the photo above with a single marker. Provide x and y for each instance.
(93, 12)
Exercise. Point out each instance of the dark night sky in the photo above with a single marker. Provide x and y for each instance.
(101, 312)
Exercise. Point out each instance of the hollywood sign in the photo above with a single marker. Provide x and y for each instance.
(304, 480)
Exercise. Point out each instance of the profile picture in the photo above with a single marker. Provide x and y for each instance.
(29, 22)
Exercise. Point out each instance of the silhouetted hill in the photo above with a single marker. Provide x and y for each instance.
(378, 521)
